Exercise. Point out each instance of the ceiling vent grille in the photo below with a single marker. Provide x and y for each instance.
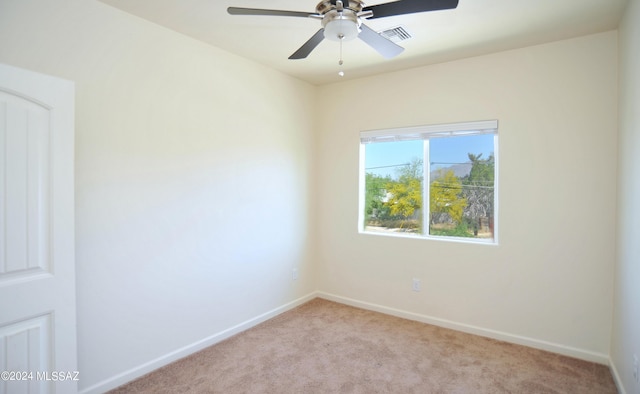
(396, 34)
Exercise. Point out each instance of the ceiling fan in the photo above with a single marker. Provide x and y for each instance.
(342, 20)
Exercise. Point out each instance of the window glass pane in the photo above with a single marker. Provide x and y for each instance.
(461, 189)
(393, 186)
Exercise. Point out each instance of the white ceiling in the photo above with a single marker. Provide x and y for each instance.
(476, 27)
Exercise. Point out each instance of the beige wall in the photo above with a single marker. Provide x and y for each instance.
(192, 181)
(626, 319)
(550, 280)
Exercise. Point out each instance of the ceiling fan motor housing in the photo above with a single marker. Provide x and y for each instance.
(325, 6)
(340, 23)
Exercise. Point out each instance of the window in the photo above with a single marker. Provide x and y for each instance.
(434, 181)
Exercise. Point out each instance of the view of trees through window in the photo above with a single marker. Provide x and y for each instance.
(461, 184)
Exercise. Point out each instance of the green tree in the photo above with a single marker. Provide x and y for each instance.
(446, 197)
(375, 193)
(482, 170)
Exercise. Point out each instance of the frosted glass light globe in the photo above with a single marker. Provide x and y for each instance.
(338, 28)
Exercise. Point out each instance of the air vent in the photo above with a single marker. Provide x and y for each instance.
(396, 34)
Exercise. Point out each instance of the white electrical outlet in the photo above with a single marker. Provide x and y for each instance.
(294, 274)
(416, 284)
(636, 377)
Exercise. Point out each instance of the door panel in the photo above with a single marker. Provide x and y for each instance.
(27, 347)
(24, 187)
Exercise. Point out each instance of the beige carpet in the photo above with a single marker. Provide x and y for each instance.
(326, 347)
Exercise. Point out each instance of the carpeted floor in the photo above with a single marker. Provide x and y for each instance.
(326, 347)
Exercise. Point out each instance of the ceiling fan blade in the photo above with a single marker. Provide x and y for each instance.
(402, 7)
(308, 46)
(383, 46)
(258, 11)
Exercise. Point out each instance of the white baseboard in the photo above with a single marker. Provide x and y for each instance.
(134, 373)
(502, 336)
(616, 377)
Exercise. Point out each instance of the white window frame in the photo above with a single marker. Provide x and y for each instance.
(426, 133)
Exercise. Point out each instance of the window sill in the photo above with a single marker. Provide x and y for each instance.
(393, 234)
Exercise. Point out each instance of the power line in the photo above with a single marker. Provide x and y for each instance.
(449, 186)
(467, 162)
(394, 165)
(431, 163)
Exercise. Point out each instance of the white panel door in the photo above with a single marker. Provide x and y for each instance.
(38, 352)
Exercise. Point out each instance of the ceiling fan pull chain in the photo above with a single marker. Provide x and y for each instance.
(340, 62)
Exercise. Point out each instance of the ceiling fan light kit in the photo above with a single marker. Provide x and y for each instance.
(342, 20)
(341, 27)
(340, 23)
